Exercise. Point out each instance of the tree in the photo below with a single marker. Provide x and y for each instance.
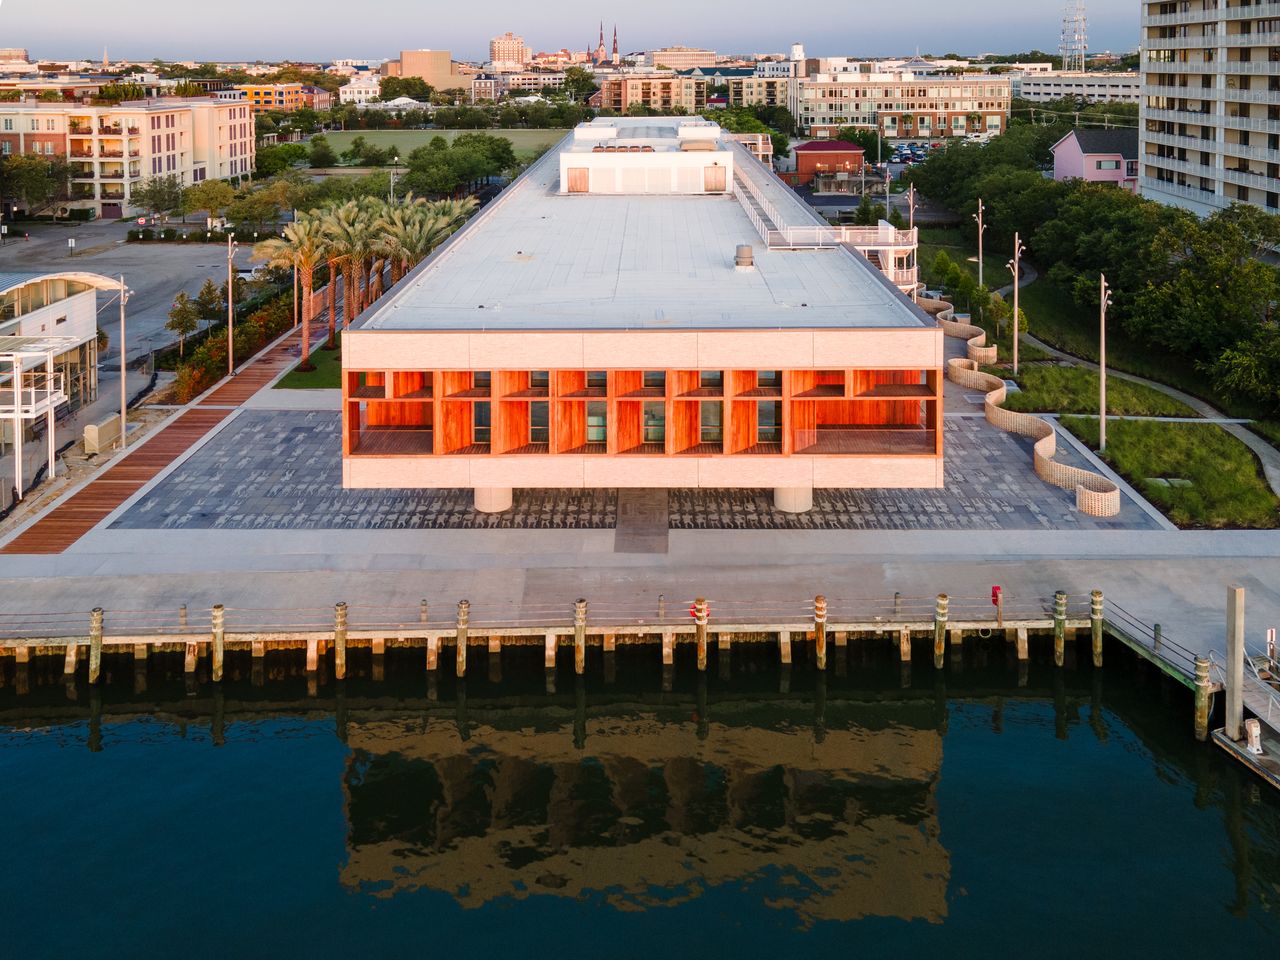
(276, 158)
(1251, 369)
(119, 92)
(322, 154)
(184, 317)
(51, 96)
(34, 181)
(579, 83)
(211, 306)
(159, 194)
(212, 196)
(868, 140)
(301, 248)
(392, 88)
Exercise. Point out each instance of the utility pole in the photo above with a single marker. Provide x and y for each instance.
(1015, 267)
(231, 304)
(1104, 294)
(982, 228)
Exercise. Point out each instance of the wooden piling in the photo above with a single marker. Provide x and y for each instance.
(433, 654)
(580, 637)
(668, 648)
(700, 631)
(1202, 698)
(1020, 639)
(549, 643)
(379, 646)
(313, 655)
(609, 642)
(841, 639)
(218, 640)
(190, 658)
(460, 632)
(904, 644)
(182, 616)
(941, 607)
(495, 644)
(422, 611)
(22, 654)
(257, 649)
(140, 653)
(340, 640)
(820, 631)
(95, 645)
(1095, 625)
(69, 664)
(1059, 627)
(784, 647)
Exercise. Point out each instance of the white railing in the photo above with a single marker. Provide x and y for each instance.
(36, 394)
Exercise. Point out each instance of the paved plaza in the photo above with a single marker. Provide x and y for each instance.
(280, 470)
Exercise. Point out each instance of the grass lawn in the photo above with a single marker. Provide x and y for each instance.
(525, 142)
(327, 374)
(960, 244)
(1227, 488)
(1054, 389)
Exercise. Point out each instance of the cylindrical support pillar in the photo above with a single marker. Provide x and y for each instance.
(463, 625)
(1202, 698)
(1235, 663)
(668, 648)
(493, 499)
(191, 658)
(1095, 625)
(313, 655)
(22, 654)
(820, 631)
(1021, 645)
(340, 640)
(904, 644)
(580, 637)
(1059, 628)
(1157, 636)
(433, 654)
(941, 606)
(700, 631)
(422, 611)
(218, 619)
(95, 645)
(69, 664)
(182, 616)
(784, 647)
(793, 499)
(549, 643)
(140, 652)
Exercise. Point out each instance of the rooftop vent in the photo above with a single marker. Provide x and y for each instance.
(745, 257)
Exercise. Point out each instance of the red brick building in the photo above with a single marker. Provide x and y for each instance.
(824, 159)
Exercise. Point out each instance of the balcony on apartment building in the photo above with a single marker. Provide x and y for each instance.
(111, 171)
(82, 191)
(83, 171)
(112, 191)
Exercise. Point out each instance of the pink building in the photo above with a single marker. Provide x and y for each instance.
(1099, 156)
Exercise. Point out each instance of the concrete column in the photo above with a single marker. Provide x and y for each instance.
(493, 499)
(793, 499)
(1235, 662)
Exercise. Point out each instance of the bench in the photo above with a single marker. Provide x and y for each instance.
(101, 437)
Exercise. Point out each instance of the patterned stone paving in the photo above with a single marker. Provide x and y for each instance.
(280, 470)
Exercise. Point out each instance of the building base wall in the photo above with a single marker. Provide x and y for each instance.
(493, 499)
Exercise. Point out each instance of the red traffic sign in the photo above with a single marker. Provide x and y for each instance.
(995, 595)
(142, 221)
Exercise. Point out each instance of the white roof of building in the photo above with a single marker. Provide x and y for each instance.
(537, 259)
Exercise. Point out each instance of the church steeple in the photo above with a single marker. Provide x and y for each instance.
(616, 57)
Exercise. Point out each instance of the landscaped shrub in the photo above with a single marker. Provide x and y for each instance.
(208, 363)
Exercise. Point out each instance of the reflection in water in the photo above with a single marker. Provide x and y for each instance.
(749, 806)
(651, 814)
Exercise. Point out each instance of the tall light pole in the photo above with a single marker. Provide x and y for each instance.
(124, 392)
(911, 207)
(1015, 267)
(1104, 301)
(231, 304)
(982, 228)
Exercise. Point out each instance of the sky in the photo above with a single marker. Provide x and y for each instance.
(325, 29)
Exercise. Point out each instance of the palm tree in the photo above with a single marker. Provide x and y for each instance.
(302, 246)
(333, 258)
(348, 232)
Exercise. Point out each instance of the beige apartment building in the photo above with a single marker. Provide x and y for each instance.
(1209, 130)
(658, 91)
(750, 91)
(436, 67)
(509, 52)
(113, 148)
(683, 58)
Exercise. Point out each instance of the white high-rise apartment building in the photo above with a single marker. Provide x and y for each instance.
(1210, 111)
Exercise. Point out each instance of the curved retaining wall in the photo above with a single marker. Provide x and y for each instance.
(1095, 494)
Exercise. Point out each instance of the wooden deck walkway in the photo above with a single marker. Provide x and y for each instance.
(59, 529)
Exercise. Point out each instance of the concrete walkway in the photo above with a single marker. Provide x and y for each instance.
(1267, 455)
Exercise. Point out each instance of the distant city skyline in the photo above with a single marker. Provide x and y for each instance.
(242, 30)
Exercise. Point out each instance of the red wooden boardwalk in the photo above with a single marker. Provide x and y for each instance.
(81, 512)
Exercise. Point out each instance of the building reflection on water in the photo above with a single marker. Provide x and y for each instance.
(651, 813)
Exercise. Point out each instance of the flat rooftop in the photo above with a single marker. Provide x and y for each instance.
(541, 260)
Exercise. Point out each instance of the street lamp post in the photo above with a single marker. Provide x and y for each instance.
(1104, 301)
(911, 206)
(1015, 267)
(231, 304)
(982, 228)
(124, 392)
